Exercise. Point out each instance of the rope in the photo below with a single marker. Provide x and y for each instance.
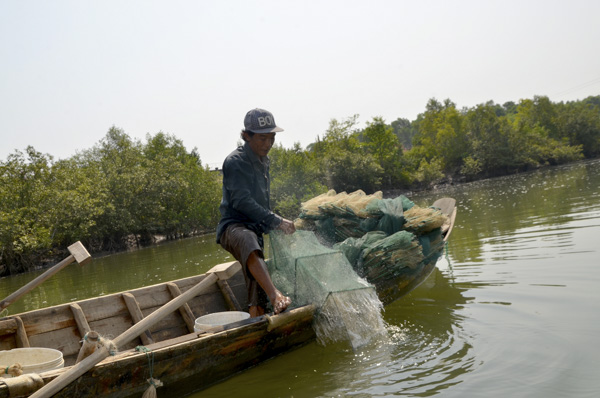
(109, 344)
(154, 383)
(447, 255)
(141, 348)
(100, 341)
(14, 370)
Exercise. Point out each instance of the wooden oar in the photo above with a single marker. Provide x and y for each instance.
(78, 253)
(77, 370)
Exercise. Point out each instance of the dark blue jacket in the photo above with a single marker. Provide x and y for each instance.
(246, 193)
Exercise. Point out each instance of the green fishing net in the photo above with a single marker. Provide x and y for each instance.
(381, 238)
(347, 306)
(345, 246)
(307, 271)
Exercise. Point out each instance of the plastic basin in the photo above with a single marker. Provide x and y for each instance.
(219, 319)
(33, 359)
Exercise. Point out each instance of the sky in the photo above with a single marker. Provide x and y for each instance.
(70, 70)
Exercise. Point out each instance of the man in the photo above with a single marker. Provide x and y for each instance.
(245, 210)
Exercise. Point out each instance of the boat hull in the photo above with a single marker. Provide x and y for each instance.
(180, 358)
(192, 362)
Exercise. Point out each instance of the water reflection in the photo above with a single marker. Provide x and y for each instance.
(530, 202)
(525, 260)
(428, 339)
(426, 351)
(118, 272)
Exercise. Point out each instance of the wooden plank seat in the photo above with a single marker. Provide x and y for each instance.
(13, 333)
(62, 327)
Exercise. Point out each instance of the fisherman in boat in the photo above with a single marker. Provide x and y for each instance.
(246, 213)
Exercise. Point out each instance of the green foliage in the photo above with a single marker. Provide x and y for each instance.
(405, 131)
(76, 202)
(118, 190)
(532, 147)
(381, 143)
(471, 167)
(579, 123)
(442, 136)
(490, 141)
(295, 178)
(429, 172)
(349, 172)
(510, 108)
(156, 188)
(538, 112)
(345, 163)
(25, 228)
(123, 189)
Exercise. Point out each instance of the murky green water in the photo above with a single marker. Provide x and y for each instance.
(118, 272)
(511, 311)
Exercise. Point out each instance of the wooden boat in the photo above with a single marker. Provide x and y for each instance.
(183, 360)
(181, 356)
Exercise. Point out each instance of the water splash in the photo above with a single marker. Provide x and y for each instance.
(348, 308)
(352, 315)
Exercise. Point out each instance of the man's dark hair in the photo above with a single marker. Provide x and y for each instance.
(250, 134)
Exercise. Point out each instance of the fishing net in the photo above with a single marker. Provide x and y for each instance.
(346, 244)
(422, 220)
(336, 217)
(307, 271)
(348, 308)
(343, 204)
(381, 238)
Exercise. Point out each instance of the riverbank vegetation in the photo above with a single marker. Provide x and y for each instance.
(125, 192)
(118, 193)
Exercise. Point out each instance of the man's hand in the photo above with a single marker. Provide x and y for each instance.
(287, 226)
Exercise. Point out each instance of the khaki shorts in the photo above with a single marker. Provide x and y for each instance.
(240, 242)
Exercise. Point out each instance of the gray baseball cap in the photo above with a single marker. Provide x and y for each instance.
(260, 121)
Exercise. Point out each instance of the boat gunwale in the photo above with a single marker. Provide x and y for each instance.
(254, 328)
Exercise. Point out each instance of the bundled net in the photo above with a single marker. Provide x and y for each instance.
(422, 220)
(343, 204)
(345, 245)
(381, 238)
(385, 257)
(336, 217)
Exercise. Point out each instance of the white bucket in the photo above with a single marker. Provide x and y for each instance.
(218, 319)
(33, 360)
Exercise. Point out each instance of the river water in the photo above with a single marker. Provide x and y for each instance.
(512, 309)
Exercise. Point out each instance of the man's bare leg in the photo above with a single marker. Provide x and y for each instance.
(258, 269)
(256, 310)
